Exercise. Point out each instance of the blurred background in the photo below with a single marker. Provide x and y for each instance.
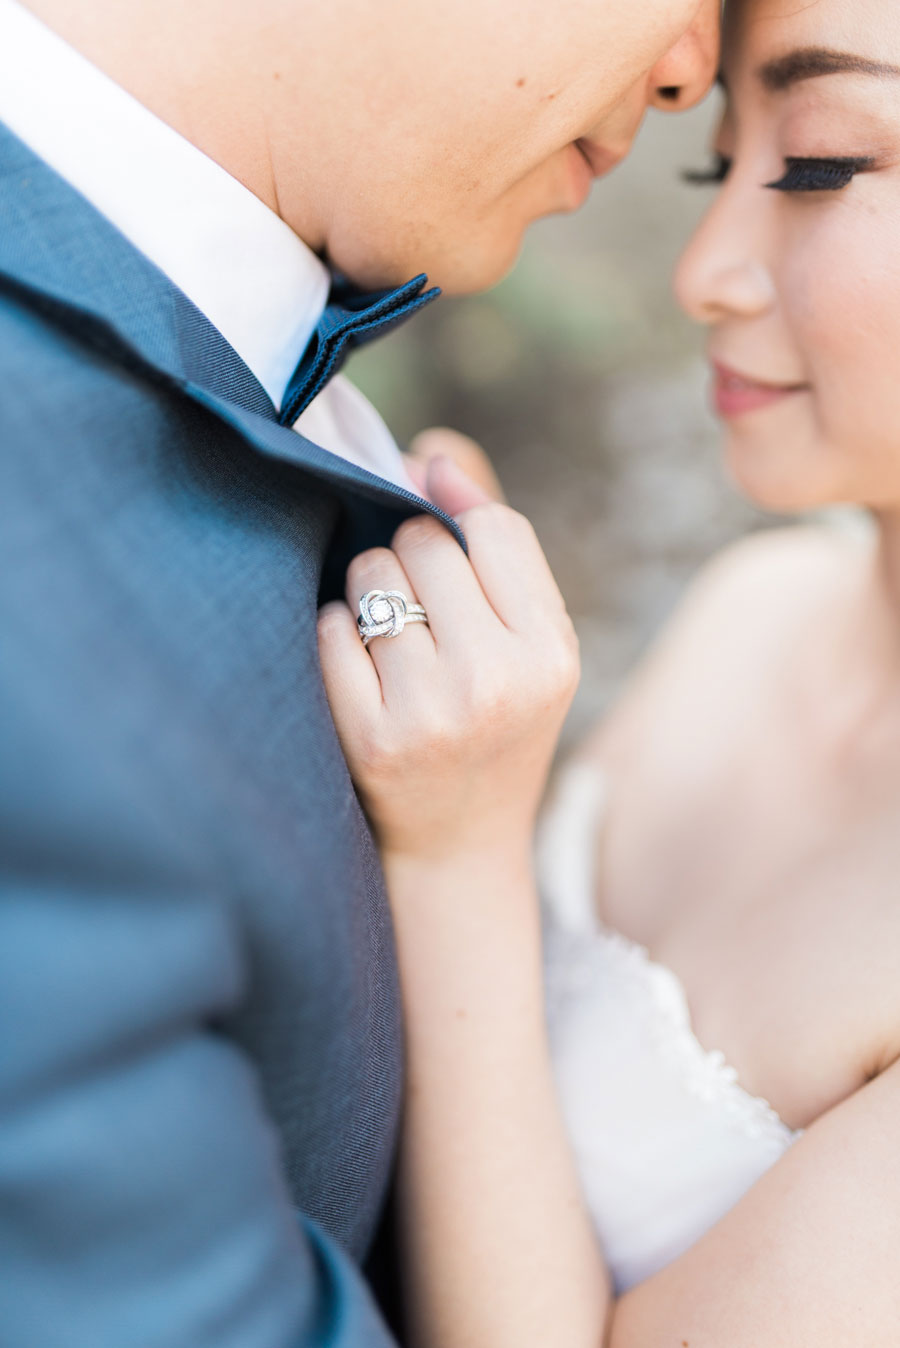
(587, 387)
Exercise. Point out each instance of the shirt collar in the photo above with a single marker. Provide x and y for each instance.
(239, 263)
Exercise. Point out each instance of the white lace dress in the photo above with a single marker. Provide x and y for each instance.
(666, 1139)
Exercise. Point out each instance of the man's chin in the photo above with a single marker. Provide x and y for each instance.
(470, 270)
(460, 268)
(473, 280)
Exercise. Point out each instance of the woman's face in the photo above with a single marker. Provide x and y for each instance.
(796, 268)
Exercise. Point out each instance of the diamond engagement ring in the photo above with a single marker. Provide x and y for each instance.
(385, 613)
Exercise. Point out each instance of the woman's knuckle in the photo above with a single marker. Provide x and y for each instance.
(562, 660)
(421, 727)
(570, 643)
(331, 620)
(491, 516)
(495, 525)
(376, 564)
(381, 753)
(517, 523)
(417, 532)
(370, 559)
(485, 694)
(437, 739)
(520, 524)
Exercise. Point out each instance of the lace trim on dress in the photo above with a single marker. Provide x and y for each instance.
(705, 1072)
(566, 845)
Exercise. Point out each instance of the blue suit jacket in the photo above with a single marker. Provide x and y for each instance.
(200, 1043)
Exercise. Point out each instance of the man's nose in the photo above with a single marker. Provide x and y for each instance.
(685, 74)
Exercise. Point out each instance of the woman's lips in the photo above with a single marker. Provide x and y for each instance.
(736, 394)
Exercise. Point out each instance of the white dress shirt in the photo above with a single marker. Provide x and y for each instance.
(240, 264)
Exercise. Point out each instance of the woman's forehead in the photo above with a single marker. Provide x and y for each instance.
(869, 28)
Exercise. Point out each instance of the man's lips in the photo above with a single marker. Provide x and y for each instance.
(600, 158)
(589, 161)
(735, 394)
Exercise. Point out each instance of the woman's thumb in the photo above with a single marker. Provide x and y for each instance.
(450, 489)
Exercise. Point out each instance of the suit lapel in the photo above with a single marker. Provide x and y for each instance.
(61, 257)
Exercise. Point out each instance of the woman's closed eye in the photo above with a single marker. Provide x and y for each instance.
(820, 175)
(715, 174)
(800, 175)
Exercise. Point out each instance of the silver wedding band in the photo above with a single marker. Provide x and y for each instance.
(385, 613)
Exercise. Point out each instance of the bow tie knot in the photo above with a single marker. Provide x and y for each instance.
(351, 318)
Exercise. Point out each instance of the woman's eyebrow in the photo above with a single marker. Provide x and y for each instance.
(808, 63)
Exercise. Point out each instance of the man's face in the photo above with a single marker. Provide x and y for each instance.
(455, 125)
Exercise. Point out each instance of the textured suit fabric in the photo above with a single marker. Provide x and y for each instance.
(200, 1040)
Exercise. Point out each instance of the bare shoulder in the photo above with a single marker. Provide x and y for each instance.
(736, 626)
(779, 565)
(807, 1256)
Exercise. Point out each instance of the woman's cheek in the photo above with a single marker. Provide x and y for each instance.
(844, 298)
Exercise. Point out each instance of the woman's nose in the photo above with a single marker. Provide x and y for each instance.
(720, 273)
(682, 77)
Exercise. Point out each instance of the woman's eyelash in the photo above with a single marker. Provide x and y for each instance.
(717, 173)
(819, 175)
(800, 175)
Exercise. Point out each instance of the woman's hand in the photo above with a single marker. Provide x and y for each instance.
(449, 729)
(441, 443)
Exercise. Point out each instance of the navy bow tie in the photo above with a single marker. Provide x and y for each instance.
(351, 319)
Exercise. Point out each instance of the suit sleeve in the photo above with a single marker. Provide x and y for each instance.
(142, 1200)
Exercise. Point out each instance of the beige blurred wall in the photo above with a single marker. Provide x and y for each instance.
(588, 389)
